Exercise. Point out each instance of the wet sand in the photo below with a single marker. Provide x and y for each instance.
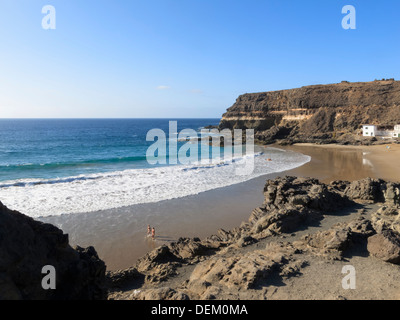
(119, 235)
(337, 162)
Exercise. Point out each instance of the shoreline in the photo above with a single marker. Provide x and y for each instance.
(294, 247)
(382, 161)
(119, 235)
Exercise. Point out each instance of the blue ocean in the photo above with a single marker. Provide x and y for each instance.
(55, 148)
(65, 166)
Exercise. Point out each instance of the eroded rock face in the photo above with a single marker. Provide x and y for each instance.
(290, 202)
(244, 272)
(336, 239)
(235, 264)
(392, 194)
(119, 278)
(387, 218)
(159, 264)
(369, 190)
(26, 246)
(293, 192)
(227, 265)
(333, 242)
(318, 113)
(385, 246)
(186, 248)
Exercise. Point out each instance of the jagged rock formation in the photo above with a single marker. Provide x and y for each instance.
(26, 246)
(242, 263)
(318, 113)
(275, 245)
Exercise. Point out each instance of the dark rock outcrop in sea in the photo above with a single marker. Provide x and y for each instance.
(26, 246)
(242, 262)
(331, 113)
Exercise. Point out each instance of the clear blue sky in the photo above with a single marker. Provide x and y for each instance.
(183, 58)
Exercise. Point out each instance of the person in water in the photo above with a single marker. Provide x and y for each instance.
(153, 233)
(148, 230)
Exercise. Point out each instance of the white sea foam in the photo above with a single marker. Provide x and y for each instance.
(94, 192)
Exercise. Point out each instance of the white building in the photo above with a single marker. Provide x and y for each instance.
(369, 130)
(396, 133)
(373, 131)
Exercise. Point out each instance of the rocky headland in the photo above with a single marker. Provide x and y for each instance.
(292, 247)
(324, 114)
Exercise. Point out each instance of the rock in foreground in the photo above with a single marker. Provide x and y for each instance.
(264, 257)
(26, 246)
(301, 236)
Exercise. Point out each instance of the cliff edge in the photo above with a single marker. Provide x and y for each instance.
(318, 113)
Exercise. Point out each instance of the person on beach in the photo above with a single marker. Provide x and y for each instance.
(153, 233)
(148, 230)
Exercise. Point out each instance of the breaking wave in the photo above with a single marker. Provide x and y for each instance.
(101, 191)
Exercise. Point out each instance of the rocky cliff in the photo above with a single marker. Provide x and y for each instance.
(318, 113)
(26, 246)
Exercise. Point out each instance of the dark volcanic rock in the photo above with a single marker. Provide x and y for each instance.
(119, 278)
(26, 246)
(295, 192)
(290, 202)
(274, 134)
(186, 248)
(159, 264)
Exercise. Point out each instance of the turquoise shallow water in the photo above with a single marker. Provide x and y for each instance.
(56, 167)
(55, 148)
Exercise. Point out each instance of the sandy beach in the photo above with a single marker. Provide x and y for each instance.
(340, 162)
(119, 235)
